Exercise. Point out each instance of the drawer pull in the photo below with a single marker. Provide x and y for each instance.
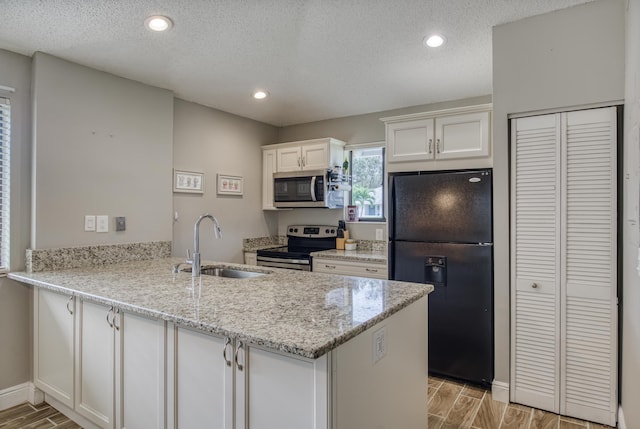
(534, 285)
(372, 270)
(332, 267)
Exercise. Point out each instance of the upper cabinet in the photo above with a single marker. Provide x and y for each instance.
(455, 138)
(309, 154)
(317, 154)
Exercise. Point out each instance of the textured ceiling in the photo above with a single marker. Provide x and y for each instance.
(319, 59)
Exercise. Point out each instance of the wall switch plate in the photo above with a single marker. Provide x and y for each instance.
(89, 223)
(379, 234)
(102, 223)
(121, 223)
(379, 344)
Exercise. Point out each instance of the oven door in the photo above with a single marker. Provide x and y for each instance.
(291, 264)
(299, 189)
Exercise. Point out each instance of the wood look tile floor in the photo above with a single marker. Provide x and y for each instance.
(456, 406)
(42, 416)
(451, 405)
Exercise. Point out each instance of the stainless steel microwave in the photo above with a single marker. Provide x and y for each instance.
(313, 188)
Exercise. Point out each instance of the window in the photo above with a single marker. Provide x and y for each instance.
(367, 181)
(5, 129)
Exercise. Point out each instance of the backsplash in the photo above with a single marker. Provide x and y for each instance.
(372, 245)
(257, 243)
(92, 256)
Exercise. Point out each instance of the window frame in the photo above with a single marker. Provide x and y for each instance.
(5, 183)
(372, 145)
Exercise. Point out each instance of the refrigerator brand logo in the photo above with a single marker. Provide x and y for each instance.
(475, 179)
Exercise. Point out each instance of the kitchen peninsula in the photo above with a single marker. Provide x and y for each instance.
(136, 345)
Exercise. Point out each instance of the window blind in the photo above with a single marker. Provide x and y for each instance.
(5, 133)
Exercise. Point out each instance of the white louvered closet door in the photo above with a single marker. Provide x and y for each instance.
(589, 277)
(535, 261)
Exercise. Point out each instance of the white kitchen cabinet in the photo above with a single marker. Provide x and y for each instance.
(448, 139)
(140, 372)
(251, 258)
(373, 270)
(54, 339)
(269, 166)
(95, 366)
(315, 154)
(564, 286)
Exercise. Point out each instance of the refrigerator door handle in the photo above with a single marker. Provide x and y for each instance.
(485, 244)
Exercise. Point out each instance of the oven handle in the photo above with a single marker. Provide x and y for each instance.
(313, 188)
(283, 261)
(297, 267)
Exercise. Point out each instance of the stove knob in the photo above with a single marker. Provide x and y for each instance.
(290, 229)
(333, 231)
(326, 231)
(295, 230)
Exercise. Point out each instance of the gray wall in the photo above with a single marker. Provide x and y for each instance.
(630, 391)
(352, 130)
(566, 58)
(210, 141)
(102, 146)
(15, 298)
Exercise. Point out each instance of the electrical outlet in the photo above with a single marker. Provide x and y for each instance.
(379, 344)
(121, 223)
(89, 223)
(102, 223)
(379, 234)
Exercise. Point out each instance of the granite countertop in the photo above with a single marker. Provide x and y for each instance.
(306, 314)
(353, 255)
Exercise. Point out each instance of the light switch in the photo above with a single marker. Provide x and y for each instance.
(379, 344)
(378, 234)
(89, 223)
(102, 223)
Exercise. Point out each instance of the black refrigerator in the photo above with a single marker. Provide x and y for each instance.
(440, 232)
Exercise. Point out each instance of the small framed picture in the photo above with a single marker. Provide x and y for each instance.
(188, 181)
(230, 185)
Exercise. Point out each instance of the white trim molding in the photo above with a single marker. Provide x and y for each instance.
(16, 395)
(621, 423)
(500, 391)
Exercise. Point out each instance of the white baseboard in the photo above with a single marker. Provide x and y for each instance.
(500, 391)
(16, 395)
(621, 423)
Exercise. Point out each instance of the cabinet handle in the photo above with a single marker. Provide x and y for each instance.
(108, 313)
(437, 145)
(299, 165)
(303, 162)
(227, 342)
(430, 144)
(69, 302)
(372, 270)
(238, 364)
(534, 285)
(331, 267)
(116, 314)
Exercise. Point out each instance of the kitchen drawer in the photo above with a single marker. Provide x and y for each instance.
(350, 268)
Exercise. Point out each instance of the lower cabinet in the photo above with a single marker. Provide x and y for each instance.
(222, 383)
(351, 268)
(53, 348)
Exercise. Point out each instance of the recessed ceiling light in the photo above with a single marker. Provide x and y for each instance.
(435, 40)
(158, 23)
(260, 95)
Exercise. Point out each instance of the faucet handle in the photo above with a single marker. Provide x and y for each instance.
(189, 255)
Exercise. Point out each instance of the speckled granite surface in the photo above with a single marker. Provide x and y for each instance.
(373, 245)
(306, 314)
(259, 243)
(91, 256)
(357, 255)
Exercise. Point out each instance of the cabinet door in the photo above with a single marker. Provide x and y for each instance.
(289, 159)
(269, 166)
(410, 141)
(462, 136)
(535, 316)
(141, 369)
(589, 346)
(278, 391)
(251, 258)
(315, 156)
(204, 381)
(54, 334)
(95, 364)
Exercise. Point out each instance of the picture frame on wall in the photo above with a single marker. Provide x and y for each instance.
(188, 181)
(230, 185)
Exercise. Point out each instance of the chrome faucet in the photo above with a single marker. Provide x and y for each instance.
(195, 261)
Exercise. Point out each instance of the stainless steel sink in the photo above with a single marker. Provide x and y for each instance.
(209, 270)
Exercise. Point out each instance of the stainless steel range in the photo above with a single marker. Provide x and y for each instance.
(303, 239)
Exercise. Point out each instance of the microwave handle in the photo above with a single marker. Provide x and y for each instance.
(313, 188)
